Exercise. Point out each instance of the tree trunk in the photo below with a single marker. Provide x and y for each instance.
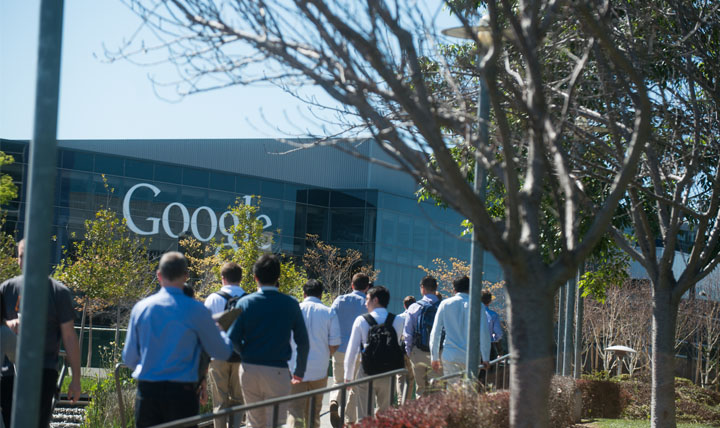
(117, 334)
(530, 309)
(663, 358)
(89, 352)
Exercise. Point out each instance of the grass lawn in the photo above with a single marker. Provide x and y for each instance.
(85, 384)
(622, 423)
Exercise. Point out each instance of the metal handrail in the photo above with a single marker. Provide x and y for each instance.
(496, 362)
(275, 402)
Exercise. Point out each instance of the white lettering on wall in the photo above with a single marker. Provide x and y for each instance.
(189, 222)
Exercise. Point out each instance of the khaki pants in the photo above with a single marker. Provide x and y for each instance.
(225, 388)
(381, 394)
(422, 370)
(338, 361)
(260, 383)
(299, 410)
(405, 382)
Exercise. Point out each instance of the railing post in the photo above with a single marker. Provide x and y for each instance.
(121, 404)
(369, 399)
(311, 422)
(343, 402)
(276, 415)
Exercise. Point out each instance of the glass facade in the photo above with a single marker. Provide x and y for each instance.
(165, 201)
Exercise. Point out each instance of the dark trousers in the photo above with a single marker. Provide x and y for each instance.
(158, 402)
(48, 390)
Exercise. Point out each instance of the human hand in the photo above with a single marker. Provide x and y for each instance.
(202, 392)
(436, 365)
(13, 325)
(485, 365)
(74, 389)
(296, 380)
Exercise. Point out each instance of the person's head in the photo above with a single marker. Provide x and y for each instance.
(267, 270)
(377, 297)
(428, 285)
(313, 288)
(486, 297)
(360, 282)
(461, 284)
(231, 273)
(438, 295)
(188, 291)
(21, 252)
(408, 300)
(173, 270)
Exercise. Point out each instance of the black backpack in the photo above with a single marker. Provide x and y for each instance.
(423, 327)
(230, 300)
(383, 352)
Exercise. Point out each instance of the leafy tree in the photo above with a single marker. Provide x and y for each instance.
(563, 61)
(108, 267)
(247, 243)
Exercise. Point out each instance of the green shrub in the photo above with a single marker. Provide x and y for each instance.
(562, 396)
(103, 411)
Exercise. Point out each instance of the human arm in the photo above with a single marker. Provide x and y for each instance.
(300, 336)
(484, 337)
(131, 351)
(353, 349)
(409, 327)
(215, 342)
(13, 324)
(72, 351)
(334, 338)
(436, 334)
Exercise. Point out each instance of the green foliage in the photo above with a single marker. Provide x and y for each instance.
(610, 267)
(9, 266)
(103, 411)
(8, 189)
(250, 241)
(109, 266)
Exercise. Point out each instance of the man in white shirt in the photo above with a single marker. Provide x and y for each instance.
(225, 385)
(324, 334)
(453, 316)
(376, 302)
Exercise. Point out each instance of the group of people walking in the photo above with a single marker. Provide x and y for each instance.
(276, 346)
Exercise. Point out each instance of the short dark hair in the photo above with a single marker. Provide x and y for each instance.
(382, 294)
(232, 272)
(267, 269)
(408, 300)
(429, 283)
(313, 288)
(173, 265)
(188, 291)
(486, 297)
(461, 284)
(360, 282)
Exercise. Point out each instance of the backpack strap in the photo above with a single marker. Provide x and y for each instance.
(389, 320)
(224, 294)
(370, 320)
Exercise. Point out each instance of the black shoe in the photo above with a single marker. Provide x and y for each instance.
(334, 415)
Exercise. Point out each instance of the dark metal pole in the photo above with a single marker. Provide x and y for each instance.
(569, 320)
(38, 220)
(577, 372)
(560, 314)
(472, 358)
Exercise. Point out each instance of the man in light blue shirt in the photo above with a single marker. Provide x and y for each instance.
(165, 336)
(453, 316)
(496, 333)
(324, 334)
(347, 307)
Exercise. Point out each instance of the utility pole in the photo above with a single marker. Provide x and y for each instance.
(39, 220)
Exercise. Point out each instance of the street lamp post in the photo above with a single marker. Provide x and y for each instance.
(472, 357)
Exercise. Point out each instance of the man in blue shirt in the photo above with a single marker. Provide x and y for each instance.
(420, 358)
(261, 335)
(496, 333)
(347, 307)
(165, 336)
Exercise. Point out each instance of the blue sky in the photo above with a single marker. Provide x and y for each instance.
(100, 100)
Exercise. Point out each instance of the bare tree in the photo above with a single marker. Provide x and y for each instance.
(333, 266)
(674, 200)
(541, 73)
